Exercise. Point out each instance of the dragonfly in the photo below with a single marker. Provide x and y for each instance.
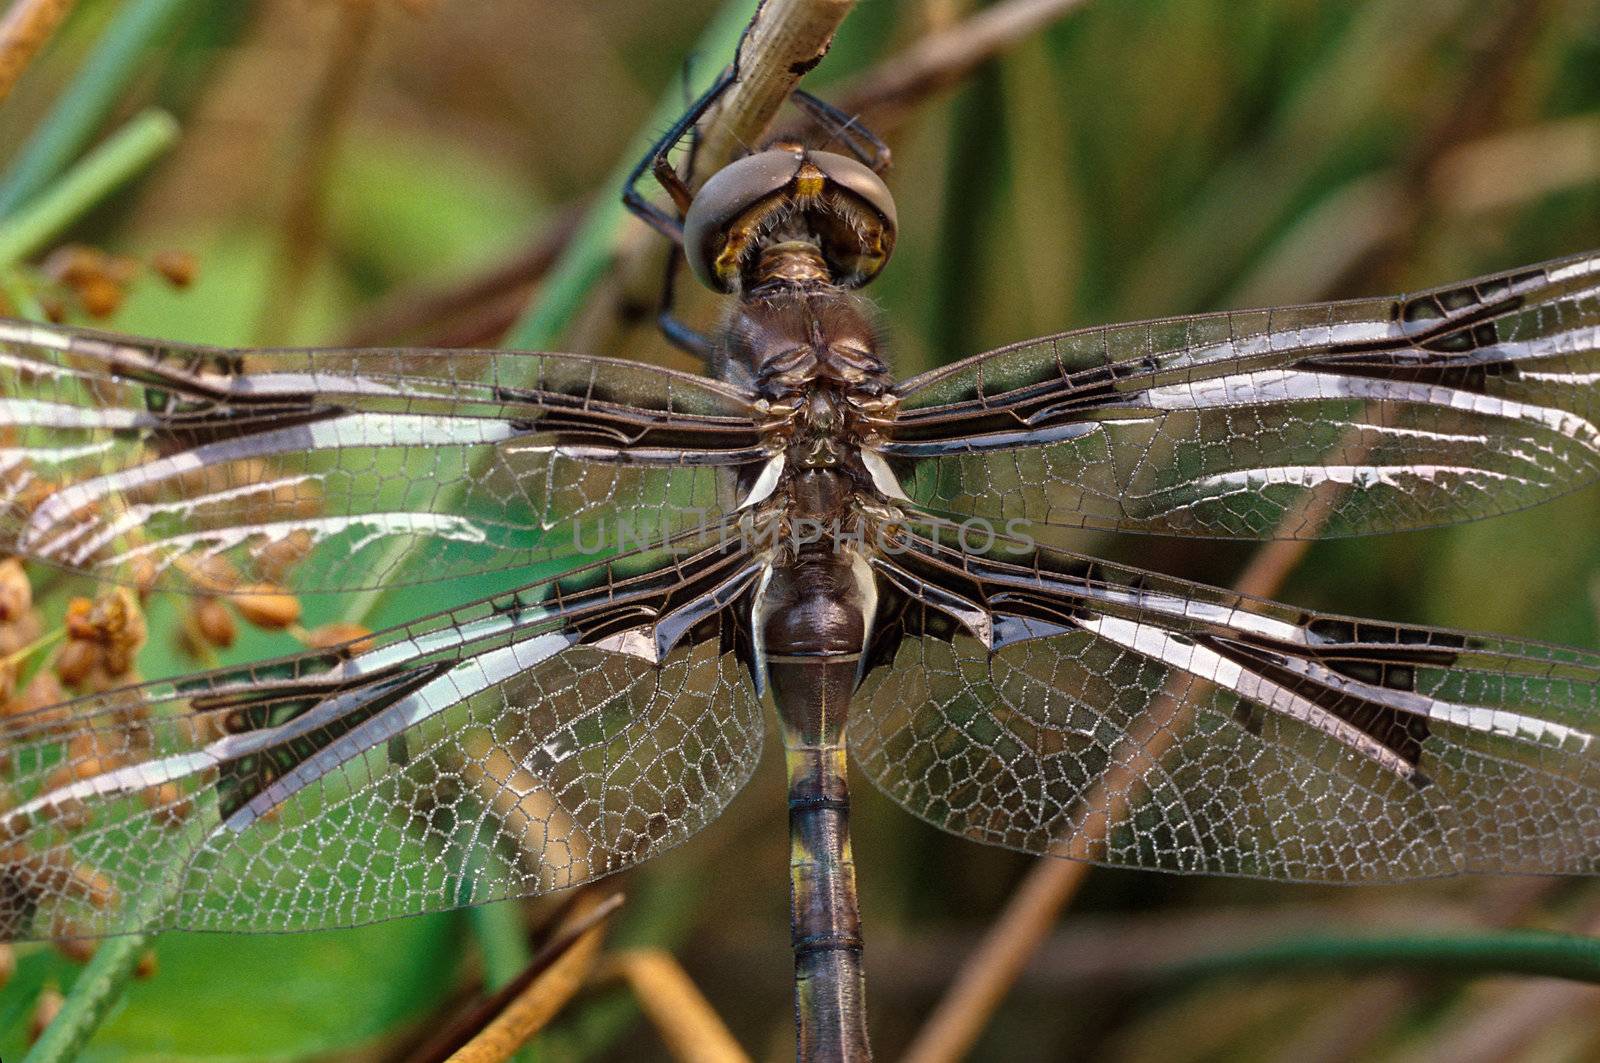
(885, 558)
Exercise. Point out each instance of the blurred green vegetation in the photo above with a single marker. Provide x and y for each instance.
(1142, 157)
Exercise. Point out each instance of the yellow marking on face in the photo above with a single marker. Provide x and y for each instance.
(809, 181)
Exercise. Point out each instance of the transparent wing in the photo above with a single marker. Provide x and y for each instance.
(1072, 708)
(146, 462)
(522, 744)
(1332, 419)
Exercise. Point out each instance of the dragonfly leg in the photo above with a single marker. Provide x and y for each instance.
(862, 142)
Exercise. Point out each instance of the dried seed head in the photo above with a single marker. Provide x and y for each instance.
(72, 264)
(103, 638)
(267, 605)
(214, 574)
(75, 661)
(147, 966)
(76, 949)
(16, 593)
(213, 623)
(122, 269)
(40, 700)
(275, 560)
(144, 573)
(339, 633)
(178, 267)
(167, 804)
(45, 1010)
(101, 296)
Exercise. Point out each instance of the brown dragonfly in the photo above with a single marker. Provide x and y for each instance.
(881, 555)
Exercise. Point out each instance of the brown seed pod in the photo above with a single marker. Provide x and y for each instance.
(16, 593)
(275, 559)
(213, 623)
(167, 803)
(214, 574)
(45, 1010)
(267, 605)
(122, 269)
(101, 296)
(75, 661)
(178, 267)
(73, 264)
(339, 633)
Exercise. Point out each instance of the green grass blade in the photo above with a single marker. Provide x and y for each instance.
(128, 152)
(99, 86)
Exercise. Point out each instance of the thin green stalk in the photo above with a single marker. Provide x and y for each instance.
(23, 302)
(1526, 952)
(101, 982)
(133, 148)
(99, 86)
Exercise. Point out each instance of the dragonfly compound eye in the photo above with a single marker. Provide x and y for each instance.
(781, 193)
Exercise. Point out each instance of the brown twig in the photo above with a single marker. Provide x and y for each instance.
(1033, 909)
(472, 304)
(498, 1026)
(945, 57)
(27, 25)
(961, 1016)
(787, 39)
(304, 216)
(688, 1024)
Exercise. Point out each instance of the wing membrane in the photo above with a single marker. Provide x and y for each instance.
(1069, 707)
(522, 744)
(1331, 419)
(145, 462)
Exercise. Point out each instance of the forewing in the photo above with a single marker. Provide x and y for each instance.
(1066, 707)
(1323, 420)
(331, 470)
(516, 746)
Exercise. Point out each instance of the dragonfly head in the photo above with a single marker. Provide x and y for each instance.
(789, 194)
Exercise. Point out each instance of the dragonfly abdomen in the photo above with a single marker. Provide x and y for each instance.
(814, 614)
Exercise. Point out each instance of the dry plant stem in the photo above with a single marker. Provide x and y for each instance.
(1006, 949)
(27, 25)
(787, 39)
(425, 314)
(304, 215)
(556, 973)
(683, 1017)
(944, 58)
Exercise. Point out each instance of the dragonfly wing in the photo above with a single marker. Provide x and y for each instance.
(1062, 706)
(522, 744)
(331, 470)
(1332, 419)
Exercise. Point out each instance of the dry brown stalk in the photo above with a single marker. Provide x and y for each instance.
(326, 116)
(690, 1027)
(786, 40)
(27, 25)
(945, 57)
(986, 978)
(557, 973)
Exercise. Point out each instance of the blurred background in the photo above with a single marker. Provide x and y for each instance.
(394, 172)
